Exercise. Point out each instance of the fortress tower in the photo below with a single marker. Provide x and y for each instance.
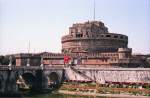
(92, 37)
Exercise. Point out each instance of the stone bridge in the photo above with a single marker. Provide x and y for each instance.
(36, 77)
(40, 78)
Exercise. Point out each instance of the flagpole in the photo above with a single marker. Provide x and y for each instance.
(94, 10)
(29, 48)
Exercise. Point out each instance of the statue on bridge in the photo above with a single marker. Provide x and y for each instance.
(10, 62)
(28, 62)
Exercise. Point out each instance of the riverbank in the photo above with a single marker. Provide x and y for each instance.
(97, 94)
(109, 90)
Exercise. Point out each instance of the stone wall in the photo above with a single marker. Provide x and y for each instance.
(102, 75)
(94, 44)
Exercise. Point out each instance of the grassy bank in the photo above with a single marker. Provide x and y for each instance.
(100, 95)
(109, 89)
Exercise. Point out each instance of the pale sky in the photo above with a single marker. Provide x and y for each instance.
(44, 22)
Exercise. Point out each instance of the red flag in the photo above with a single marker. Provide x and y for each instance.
(66, 59)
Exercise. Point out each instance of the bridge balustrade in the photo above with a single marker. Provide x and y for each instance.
(13, 67)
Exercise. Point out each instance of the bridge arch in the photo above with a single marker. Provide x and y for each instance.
(29, 79)
(53, 77)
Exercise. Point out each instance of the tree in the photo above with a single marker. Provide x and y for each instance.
(1, 59)
(5, 60)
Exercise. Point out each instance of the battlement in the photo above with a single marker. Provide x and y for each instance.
(87, 29)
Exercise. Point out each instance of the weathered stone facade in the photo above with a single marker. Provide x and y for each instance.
(103, 75)
(23, 58)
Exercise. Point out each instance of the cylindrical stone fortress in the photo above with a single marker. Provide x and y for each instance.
(92, 37)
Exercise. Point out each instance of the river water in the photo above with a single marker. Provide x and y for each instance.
(61, 96)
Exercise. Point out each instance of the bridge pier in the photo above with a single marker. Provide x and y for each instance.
(41, 82)
(8, 84)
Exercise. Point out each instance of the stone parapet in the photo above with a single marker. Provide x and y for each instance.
(133, 75)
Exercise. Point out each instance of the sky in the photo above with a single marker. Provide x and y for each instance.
(40, 24)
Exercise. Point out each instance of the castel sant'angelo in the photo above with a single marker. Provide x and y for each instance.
(89, 44)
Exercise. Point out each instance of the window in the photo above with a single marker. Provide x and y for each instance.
(79, 35)
(121, 37)
(115, 36)
(108, 36)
